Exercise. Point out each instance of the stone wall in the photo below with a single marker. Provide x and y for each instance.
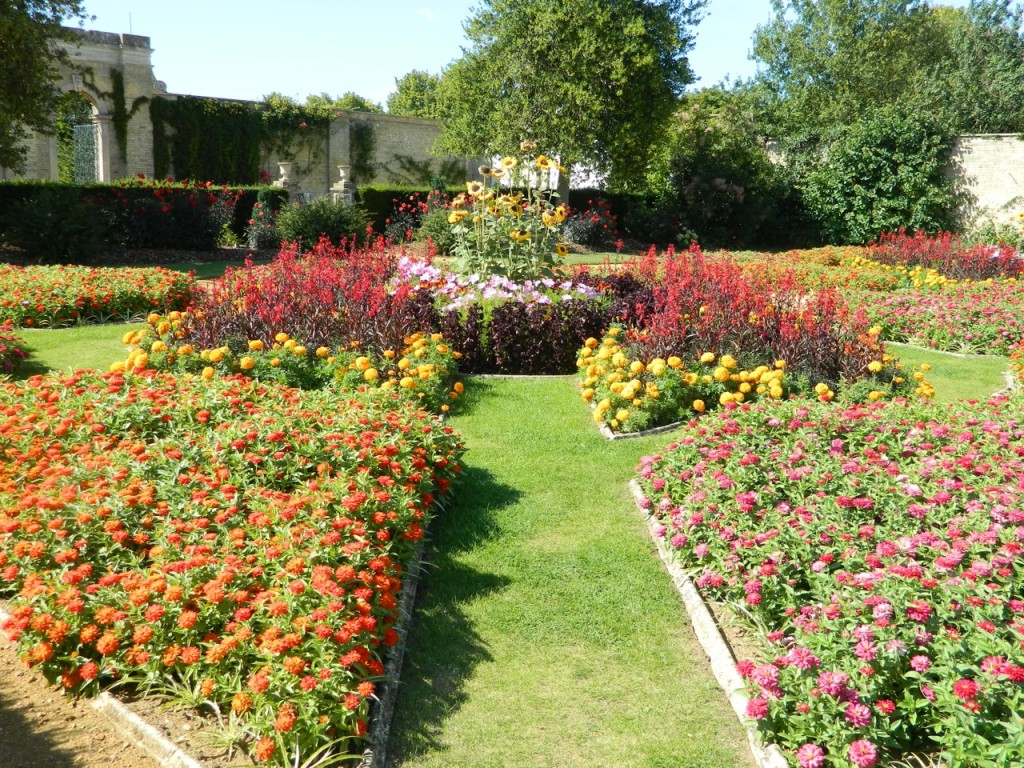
(989, 169)
(100, 53)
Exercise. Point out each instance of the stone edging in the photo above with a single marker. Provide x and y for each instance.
(608, 434)
(145, 736)
(723, 664)
(169, 755)
(375, 755)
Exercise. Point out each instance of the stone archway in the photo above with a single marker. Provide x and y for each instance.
(77, 137)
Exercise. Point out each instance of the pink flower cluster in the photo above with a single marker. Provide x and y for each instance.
(883, 545)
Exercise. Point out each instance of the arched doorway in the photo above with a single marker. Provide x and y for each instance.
(77, 140)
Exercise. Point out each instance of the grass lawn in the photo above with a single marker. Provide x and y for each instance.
(83, 346)
(956, 378)
(548, 633)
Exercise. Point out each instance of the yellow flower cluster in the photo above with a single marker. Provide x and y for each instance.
(632, 393)
(917, 277)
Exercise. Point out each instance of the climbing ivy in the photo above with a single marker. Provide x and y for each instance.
(213, 139)
(362, 148)
(121, 115)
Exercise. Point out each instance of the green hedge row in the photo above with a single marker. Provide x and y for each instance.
(49, 221)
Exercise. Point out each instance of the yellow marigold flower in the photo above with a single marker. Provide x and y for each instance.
(363, 363)
(256, 345)
(322, 352)
(875, 366)
(707, 357)
(698, 406)
(290, 344)
(216, 355)
(745, 388)
(637, 367)
(721, 374)
(407, 382)
(299, 350)
(780, 364)
(926, 367)
(246, 363)
(674, 362)
(117, 366)
(389, 354)
(159, 346)
(128, 338)
(459, 387)
(281, 338)
(371, 374)
(403, 364)
(208, 373)
(187, 349)
(588, 394)
(820, 388)
(154, 318)
(725, 398)
(727, 361)
(275, 362)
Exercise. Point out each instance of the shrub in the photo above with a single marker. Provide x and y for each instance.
(434, 227)
(261, 232)
(594, 225)
(55, 225)
(306, 224)
(380, 201)
(884, 172)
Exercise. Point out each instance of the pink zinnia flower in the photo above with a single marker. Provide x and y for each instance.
(757, 709)
(857, 715)
(811, 756)
(863, 753)
(833, 683)
(920, 663)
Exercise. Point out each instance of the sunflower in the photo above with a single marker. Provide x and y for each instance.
(474, 188)
(498, 173)
(548, 218)
(520, 235)
(484, 170)
(544, 162)
(508, 163)
(561, 250)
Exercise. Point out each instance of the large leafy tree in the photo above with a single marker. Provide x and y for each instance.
(30, 55)
(592, 82)
(415, 95)
(827, 63)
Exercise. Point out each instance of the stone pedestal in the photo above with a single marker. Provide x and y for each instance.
(343, 190)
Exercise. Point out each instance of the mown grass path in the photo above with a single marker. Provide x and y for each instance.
(547, 632)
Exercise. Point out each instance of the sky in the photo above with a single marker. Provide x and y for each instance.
(246, 49)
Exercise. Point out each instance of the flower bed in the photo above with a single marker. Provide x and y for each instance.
(56, 296)
(424, 368)
(980, 317)
(501, 325)
(878, 550)
(947, 254)
(12, 350)
(237, 542)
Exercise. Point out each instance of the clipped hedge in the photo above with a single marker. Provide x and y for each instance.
(135, 213)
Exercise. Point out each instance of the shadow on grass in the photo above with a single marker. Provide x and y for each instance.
(444, 647)
(29, 368)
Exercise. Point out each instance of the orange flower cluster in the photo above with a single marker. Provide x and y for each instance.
(243, 538)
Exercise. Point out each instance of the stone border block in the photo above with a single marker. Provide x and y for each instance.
(723, 664)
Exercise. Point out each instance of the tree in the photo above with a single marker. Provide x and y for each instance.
(594, 82)
(30, 52)
(415, 95)
(825, 63)
(350, 102)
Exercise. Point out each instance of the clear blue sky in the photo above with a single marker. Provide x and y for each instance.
(248, 48)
